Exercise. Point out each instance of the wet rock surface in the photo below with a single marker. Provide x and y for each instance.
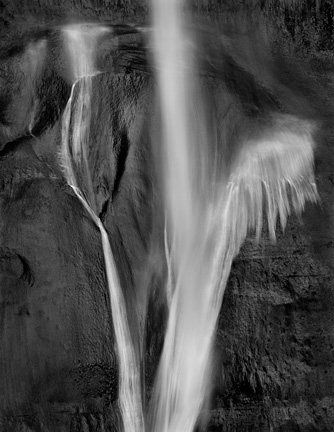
(274, 352)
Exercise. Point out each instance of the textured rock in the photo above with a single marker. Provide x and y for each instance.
(56, 337)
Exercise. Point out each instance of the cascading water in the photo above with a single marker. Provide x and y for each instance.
(209, 214)
(81, 42)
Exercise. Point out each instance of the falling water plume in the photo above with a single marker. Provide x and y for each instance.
(81, 41)
(209, 214)
(182, 376)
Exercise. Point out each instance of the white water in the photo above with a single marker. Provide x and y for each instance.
(81, 42)
(209, 217)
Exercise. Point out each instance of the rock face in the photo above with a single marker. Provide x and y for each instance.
(56, 348)
(275, 339)
(274, 352)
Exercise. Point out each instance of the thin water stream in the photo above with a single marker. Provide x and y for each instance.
(81, 42)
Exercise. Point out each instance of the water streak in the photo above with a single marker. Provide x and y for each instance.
(209, 214)
(81, 42)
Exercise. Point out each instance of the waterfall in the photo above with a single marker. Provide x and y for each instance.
(209, 214)
(81, 43)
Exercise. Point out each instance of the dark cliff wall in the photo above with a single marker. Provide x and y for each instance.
(274, 345)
